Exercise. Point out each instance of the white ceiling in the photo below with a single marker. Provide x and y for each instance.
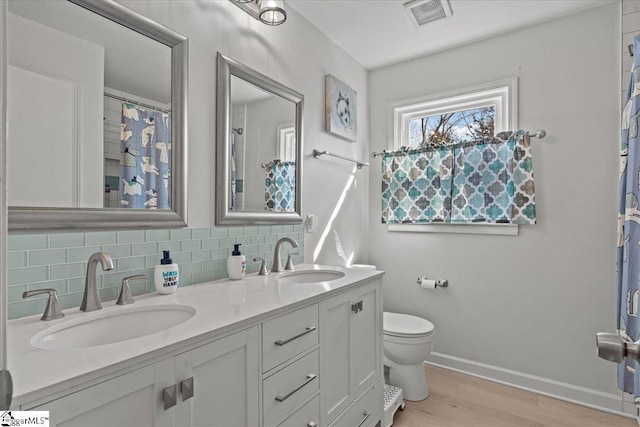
(379, 33)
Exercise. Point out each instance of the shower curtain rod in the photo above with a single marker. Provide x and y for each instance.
(539, 134)
(141, 104)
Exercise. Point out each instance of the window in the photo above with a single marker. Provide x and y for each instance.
(493, 105)
(451, 118)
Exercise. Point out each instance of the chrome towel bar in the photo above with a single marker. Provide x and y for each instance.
(317, 153)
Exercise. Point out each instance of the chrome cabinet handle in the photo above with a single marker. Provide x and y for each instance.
(52, 311)
(310, 377)
(169, 397)
(356, 307)
(301, 334)
(186, 388)
(312, 424)
(366, 414)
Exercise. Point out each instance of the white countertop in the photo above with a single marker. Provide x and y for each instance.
(221, 307)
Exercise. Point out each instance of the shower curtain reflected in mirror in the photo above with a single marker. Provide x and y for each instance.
(233, 196)
(145, 180)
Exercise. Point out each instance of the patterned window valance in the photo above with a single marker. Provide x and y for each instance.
(484, 181)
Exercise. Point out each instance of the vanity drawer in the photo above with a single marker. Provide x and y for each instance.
(289, 335)
(307, 416)
(286, 389)
(366, 411)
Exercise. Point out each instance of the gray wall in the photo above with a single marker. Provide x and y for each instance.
(297, 55)
(523, 309)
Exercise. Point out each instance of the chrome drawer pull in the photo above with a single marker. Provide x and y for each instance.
(283, 342)
(310, 378)
(366, 414)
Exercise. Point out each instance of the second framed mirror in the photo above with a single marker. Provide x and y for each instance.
(259, 148)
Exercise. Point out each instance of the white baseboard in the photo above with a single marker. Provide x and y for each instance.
(607, 402)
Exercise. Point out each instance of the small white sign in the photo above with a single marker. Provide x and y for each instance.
(24, 418)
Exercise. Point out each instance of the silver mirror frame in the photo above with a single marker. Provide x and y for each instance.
(228, 67)
(37, 219)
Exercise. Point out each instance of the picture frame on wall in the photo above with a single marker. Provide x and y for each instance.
(341, 108)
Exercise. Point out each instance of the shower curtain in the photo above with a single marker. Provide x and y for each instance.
(145, 159)
(628, 268)
(232, 161)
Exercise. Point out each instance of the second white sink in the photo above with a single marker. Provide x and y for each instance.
(115, 326)
(310, 276)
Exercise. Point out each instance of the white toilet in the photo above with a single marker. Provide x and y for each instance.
(407, 340)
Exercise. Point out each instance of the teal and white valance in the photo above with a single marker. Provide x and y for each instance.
(484, 181)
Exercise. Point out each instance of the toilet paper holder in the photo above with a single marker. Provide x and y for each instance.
(439, 283)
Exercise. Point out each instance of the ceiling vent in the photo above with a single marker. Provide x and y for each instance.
(421, 12)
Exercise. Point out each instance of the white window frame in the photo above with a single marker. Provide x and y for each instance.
(501, 93)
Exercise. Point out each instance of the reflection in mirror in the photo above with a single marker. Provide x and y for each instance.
(100, 94)
(96, 116)
(259, 148)
(262, 176)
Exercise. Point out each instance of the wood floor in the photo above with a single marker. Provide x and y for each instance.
(458, 400)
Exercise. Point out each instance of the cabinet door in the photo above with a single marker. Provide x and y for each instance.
(366, 333)
(335, 350)
(351, 351)
(131, 399)
(225, 382)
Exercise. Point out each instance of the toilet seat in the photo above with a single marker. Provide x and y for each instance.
(406, 326)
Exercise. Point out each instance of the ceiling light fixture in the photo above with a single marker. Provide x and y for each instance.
(272, 12)
(269, 12)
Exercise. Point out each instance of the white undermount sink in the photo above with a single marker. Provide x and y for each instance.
(310, 276)
(114, 326)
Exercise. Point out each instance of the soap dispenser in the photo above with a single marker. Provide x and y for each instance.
(166, 275)
(236, 263)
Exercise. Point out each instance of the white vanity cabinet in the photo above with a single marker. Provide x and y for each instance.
(313, 362)
(222, 375)
(351, 354)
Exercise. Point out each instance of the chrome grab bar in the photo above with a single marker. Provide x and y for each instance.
(301, 334)
(310, 377)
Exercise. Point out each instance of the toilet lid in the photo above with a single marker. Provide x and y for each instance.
(405, 325)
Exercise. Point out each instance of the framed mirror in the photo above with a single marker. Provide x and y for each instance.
(259, 148)
(97, 118)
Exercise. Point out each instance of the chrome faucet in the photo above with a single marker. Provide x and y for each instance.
(91, 298)
(276, 265)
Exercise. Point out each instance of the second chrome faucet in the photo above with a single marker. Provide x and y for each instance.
(276, 266)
